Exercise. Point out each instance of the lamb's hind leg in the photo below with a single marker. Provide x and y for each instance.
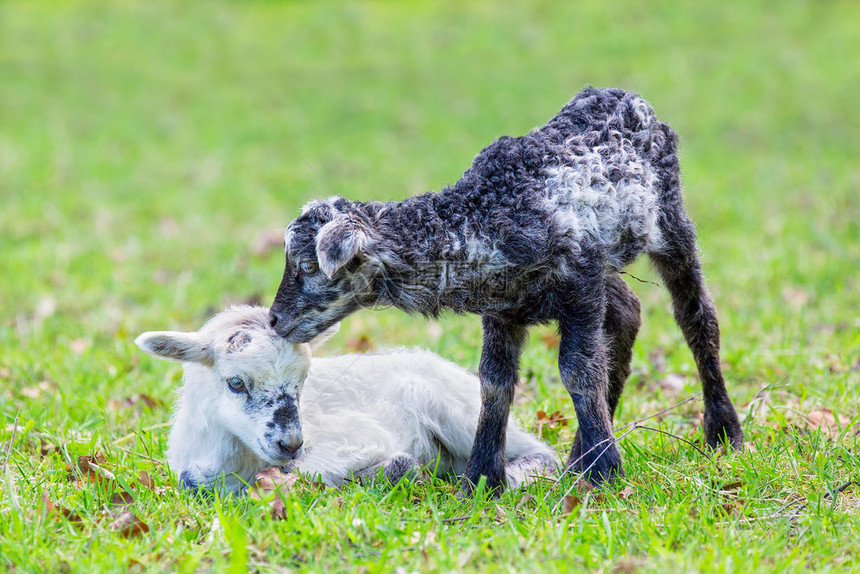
(678, 265)
(620, 327)
(498, 370)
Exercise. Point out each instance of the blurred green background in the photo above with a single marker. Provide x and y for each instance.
(151, 150)
(147, 148)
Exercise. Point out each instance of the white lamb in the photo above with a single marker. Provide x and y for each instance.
(251, 400)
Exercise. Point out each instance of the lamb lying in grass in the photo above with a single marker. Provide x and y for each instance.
(252, 400)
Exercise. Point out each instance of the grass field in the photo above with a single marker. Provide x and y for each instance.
(148, 149)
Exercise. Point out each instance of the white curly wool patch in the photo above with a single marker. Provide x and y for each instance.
(584, 202)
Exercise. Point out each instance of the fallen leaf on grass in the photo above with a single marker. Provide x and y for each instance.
(551, 340)
(826, 420)
(121, 498)
(526, 498)
(146, 481)
(626, 493)
(359, 344)
(273, 480)
(732, 486)
(50, 506)
(90, 467)
(129, 525)
(46, 448)
(730, 507)
(135, 401)
(569, 503)
(556, 419)
(501, 514)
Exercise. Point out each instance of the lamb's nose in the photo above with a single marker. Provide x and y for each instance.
(290, 448)
(274, 318)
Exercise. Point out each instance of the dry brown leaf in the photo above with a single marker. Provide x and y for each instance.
(129, 525)
(626, 493)
(46, 448)
(136, 401)
(273, 480)
(826, 420)
(121, 498)
(569, 503)
(732, 486)
(556, 419)
(145, 480)
(360, 344)
(501, 514)
(526, 498)
(90, 467)
(551, 340)
(50, 506)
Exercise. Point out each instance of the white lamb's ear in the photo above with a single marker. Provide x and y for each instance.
(176, 346)
(320, 339)
(338, 241)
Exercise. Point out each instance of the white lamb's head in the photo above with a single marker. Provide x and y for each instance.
(238, 407)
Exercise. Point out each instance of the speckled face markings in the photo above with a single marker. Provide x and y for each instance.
(237, 341)
(287, 413)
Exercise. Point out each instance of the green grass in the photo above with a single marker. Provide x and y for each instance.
(145, 148)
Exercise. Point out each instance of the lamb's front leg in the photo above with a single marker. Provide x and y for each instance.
(500, 359)
(583, 362)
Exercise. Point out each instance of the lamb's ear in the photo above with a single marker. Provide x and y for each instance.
(176, 346)
(338, 241)
(321, 339)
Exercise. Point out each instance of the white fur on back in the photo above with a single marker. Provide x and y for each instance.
(584, 202)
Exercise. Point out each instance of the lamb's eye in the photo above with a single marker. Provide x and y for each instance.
(237, 385)
(309, 267)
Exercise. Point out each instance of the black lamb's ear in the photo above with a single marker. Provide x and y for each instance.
(176, 346)
(338, 242)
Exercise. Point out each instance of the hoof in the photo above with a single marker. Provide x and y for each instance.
(598, 468)
(722, 428)
(495, 485)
